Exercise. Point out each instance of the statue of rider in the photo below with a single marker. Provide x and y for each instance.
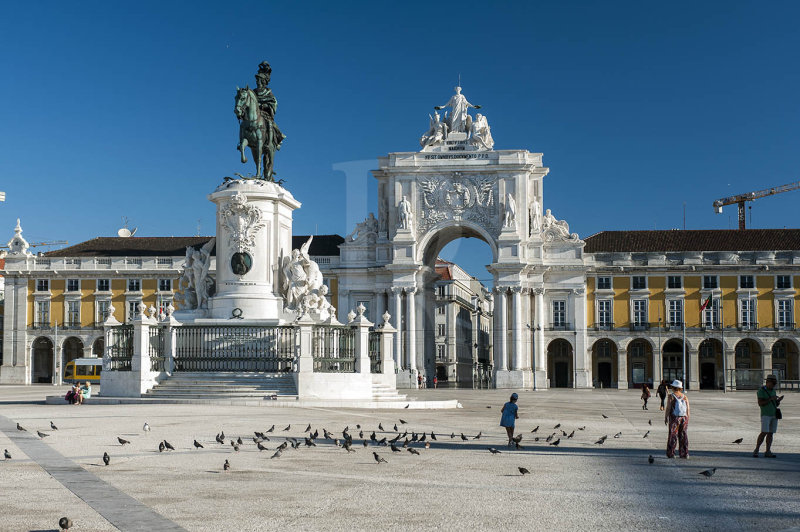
(267, 103)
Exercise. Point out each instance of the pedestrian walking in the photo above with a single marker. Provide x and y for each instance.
(435, 382)
(677, 418)
(419, 380)
(645, 395)
(661, 392)
(769, 401)
(509, 416)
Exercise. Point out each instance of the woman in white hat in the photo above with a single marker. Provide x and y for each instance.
(676, 416)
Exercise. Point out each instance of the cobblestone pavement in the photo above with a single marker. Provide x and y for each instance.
(454, 485)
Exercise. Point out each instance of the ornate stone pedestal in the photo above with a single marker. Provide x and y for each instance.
(514, 379)
(254, 234)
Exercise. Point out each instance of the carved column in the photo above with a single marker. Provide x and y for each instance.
(516, 311)
(397, 293)
(501, 309)
(380, 305)
(411, 323)
(540, 357)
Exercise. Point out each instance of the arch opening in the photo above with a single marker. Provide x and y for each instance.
(560, 364)
(42, 361)
(640, 363)
(605, 364)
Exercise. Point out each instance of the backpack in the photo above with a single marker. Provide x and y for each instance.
(678, 406)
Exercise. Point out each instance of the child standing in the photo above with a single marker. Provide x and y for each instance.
(509, 417)
(645, 395)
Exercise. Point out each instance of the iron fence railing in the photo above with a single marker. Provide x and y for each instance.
(333, 349)
(235, 348)
(120, 348)
(751, 379)
(375, 365)
(155, 348)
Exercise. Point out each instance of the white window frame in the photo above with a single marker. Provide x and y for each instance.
(716, 282)
(559, 310)
(639, 277)
(46, 283)
(752, 279)
(441, 352)
(639, 316)
(131, 310)
(680, 281)
(610, 282)
(168, 281)
(76, 281)
(131, 280)
(42, 304)
(784, 317)
(673, 312)
(711, 314)
(99, 312)
(747, 312)
(791, 283)
(607, 313)
(441, 329)
(97, 285)
(71, 313)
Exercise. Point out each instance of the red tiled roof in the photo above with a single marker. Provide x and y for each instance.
(695, 240)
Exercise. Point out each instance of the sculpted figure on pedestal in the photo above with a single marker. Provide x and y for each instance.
(257, 128)
(553, 229)
(458, 119)
(437, 132)
(481, 133)
(303, 290)
(368, 226)
(404, 213)
(510, 218)
(196, 282)
(535, 215)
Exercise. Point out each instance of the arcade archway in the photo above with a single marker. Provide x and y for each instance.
(42, 361)
(560, 364)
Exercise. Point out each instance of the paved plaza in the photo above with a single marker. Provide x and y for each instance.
(453, 485)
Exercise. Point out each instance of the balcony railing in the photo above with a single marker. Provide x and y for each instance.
(603, 326)
(640, 326)
(41, 325)
(747, 326)
(561, 326)
(785, 326)
(673, 325)
(710, 326)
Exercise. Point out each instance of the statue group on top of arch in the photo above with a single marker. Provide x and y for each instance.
(302, 288)
(477, 131)
(364, 230)
(556, 230)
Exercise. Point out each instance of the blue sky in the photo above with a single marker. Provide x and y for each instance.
(111, 109)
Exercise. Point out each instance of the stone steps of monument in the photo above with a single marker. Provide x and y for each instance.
(197, 385)
(383, 392)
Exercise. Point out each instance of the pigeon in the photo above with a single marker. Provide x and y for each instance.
(336, 442)
(308, 428)
(405, 443)
(403, 422)
(422, 438)
(65, 523)
(226, 465)
(555, 443)
(348, 448)
(106, 458)
(236, 448)
(373, 437)
(310, 443)
(493, 450)
(557, 426)
(327, 435)
(463, 438)
(219, 440)
(380, 427)
(168, 445)
(571, 434)
(649, 421)
(738, 441)
(582, 428)
(406, 406)
(433, 436)
(550, 438)
(646, 434)
(146, 427)
(382, 441)
(604, 416)
(395, 449)
(260, 447)
(563, 432)
(314, 437)
(239, 440)
(524, 471)
(161, 447)
(288, 427)
(517, 438)
(222, 434)
(365, 443)
(413, 451)
(361, 434)
(283, 446)
(20, 427)
(650, 459)
(604, 438)
(452, 435)
(233, 443)
(414, 436)
(52, 426)
(708, 473)
(478, 437)
(121, 441)
(7, 454)
(394, 440)
(198, 445)
(277, 454)
(41, 434)
(537, 428)
(601, 441)
(358, 426)
(347, 428)
(618, 434)
(271, 428)
(489, 406)
(395, 427)
(379, 459)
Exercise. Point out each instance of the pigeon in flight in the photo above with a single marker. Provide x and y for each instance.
(41, 434)
(146, 427)
(708, 473)
(226, 466)
(7, 454)
(310, 443)
(738, 441)
(650, 459)
(198, 445)
(413, 451)
(52, 426)
(378, 458)
(168, 445)
(524, 471)
(493, 450)
(106, 458)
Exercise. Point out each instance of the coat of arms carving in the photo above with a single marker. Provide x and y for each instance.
(242, 220)
(458, 197)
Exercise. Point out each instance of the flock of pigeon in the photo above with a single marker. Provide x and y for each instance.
(401, 441)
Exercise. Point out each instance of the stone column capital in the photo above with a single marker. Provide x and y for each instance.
(539, 291)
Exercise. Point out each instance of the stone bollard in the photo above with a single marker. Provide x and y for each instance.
(387, 345)
(362, 325)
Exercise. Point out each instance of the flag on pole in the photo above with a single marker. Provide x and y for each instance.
(706, 303)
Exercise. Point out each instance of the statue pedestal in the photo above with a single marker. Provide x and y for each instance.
(254, 232)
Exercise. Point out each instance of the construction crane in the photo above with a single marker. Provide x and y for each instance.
(750, 196)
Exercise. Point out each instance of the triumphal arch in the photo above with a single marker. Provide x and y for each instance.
(457, 185)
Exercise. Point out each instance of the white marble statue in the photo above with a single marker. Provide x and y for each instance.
(405, 214)
(459, 118)
(303, 289)
(196, 282)
(437, 132)
(510, 218)
(368, 226)
(554, 229)
(481, 133)
(536, 217)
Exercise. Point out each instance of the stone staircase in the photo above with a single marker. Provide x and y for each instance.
(223, 385)
(385, 393)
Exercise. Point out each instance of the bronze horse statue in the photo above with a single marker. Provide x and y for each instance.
(255, 132)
